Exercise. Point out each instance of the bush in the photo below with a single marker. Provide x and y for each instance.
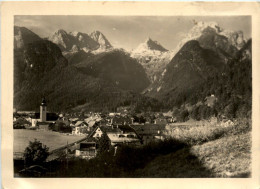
(36, 153)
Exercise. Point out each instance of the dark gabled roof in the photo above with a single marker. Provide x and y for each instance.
(87, 144)
(126, 128)
(120, 119)
(50, 116)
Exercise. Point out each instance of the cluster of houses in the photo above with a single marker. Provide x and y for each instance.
(119, 129)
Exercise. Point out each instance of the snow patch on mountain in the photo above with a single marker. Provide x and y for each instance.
(150, 47)
(153, 57)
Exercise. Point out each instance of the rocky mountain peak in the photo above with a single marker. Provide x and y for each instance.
(23, 36)
(101, 39)
(61, 32)
(150, 46)
(236, 38)
(95, 41)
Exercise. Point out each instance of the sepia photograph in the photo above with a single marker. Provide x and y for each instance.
(129, 96)
(132, 96)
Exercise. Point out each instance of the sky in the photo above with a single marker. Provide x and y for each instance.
(129, 31)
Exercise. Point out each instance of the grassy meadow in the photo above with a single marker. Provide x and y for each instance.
(51, 139)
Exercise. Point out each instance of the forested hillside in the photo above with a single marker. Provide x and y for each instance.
(232, 90)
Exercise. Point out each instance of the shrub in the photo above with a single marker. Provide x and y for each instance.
(36, 153)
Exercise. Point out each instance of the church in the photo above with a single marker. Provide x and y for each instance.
(43, 119)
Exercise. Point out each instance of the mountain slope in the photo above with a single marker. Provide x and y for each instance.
(94, 81)
(204, 51)
(23, 36)
(116, 66)
(98, 83)
(188, 69)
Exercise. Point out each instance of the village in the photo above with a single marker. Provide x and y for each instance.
(120, 128)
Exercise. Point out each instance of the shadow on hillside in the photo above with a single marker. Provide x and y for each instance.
(167, 159)
(179, 163)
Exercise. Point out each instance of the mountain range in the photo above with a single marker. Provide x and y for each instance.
(75, 41)
(78, 71)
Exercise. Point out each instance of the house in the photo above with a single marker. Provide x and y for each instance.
(80, 128)
(119, 120)
(73, 121)
(93, 120)
(117, 138)
(123, 109)
(87, 150)
(112, 114)
(120, 134)
(149, 133)
(160, 121)
(98, 132)
(210, 100)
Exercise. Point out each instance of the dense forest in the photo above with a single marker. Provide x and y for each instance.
(231, 87)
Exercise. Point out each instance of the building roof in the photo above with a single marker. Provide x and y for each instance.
(151, 129)
(91, 123)
(74, 119)
(116, 139)
(120, 120)
(79, 123)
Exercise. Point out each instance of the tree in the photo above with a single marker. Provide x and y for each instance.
(103, 144)
(183, 116)
(195, 113)
(36, 153)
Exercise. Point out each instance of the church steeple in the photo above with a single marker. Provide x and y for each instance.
(43, 102)
(43, 110)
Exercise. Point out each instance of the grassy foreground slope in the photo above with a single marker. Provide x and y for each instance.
(229, 156)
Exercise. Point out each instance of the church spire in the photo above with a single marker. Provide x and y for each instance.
(43, 110)
(43, 102)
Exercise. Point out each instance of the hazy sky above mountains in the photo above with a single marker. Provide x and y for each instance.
(129, 31)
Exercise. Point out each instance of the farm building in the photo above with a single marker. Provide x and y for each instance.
(87, 150)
